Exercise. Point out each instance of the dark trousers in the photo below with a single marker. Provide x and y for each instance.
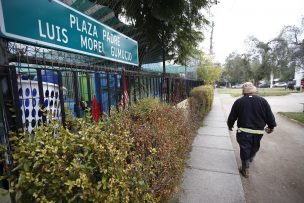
(249, 146)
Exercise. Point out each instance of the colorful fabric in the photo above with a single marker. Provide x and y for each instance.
(95, 110)
(125, 96)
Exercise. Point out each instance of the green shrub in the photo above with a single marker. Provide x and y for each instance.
(200, 101)
(133, 156)
(96, 164)
(163, 136)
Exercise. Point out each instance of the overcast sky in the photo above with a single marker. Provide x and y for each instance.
(236, 20)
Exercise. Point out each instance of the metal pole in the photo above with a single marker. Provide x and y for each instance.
(99, 92)
(61, 97)
(168, 90)
(109, 93)
(134, 82)
(41, 94)
(89, 88)
(76, 96)
(13, 77)
(139, 88)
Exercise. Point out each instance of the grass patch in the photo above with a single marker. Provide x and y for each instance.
(232, 92)
(261, 92)
(298, 116)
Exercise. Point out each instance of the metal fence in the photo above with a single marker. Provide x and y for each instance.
(38, 84)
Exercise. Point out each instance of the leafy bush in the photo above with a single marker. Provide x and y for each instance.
(163, 137)
(136, 155)
(96, 164)
(200, 101)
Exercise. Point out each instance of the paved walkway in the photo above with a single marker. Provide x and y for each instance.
(212, 173)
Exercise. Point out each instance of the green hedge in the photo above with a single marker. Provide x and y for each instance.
(99, 163)
(133, 156)
(201, 100)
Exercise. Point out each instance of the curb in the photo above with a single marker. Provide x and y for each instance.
(293, 120)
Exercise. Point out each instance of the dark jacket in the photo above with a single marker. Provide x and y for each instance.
(251, 111)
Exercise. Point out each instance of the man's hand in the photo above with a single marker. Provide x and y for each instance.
(268, 130)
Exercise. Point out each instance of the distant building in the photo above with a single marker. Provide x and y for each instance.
(299, 77)
(188, 71)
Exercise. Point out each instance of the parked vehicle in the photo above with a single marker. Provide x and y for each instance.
(237, 86)
(280, 84)
(291, 85)
(264, 86)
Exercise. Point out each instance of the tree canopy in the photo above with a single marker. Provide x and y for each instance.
(207, 70)
(172, 24)
(237, 66)
(277, 58)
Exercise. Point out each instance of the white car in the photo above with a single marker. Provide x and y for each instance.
(237, 86)
(280, 84)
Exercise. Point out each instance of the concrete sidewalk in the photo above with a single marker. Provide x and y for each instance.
(212, 174)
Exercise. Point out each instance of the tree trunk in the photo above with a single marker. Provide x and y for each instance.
(271, 78)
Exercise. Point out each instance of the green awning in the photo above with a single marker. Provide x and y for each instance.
(175, 69)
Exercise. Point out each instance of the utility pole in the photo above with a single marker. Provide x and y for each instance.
(211, 39)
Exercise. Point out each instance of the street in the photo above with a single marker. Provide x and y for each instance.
(277, 172)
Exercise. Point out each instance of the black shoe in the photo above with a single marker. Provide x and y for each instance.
(244, 172)
(251, 159)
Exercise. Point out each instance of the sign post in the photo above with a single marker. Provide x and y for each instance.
(54, 24)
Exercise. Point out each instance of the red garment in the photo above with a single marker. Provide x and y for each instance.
(95, 110)
(125, 96)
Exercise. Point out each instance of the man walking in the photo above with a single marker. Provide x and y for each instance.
(252, 113)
